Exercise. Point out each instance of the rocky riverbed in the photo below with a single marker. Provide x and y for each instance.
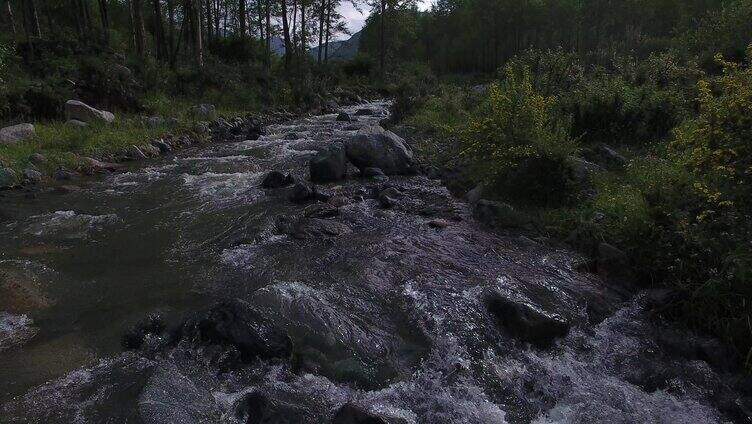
(202, 287)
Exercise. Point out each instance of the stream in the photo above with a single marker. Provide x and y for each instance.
(384, 311)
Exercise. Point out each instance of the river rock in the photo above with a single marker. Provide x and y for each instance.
(438, 223)
(135, 153)
(371, 172)
(376, 147)
(311, 228)
(16, 133)
(7, 178)
(93, 166)
(203, 111)
(32, 176)
(134, 338)
(389, 197)
(329, 165)
(605, 156)
(80, 111)
(496, 213)
(321, 210)
(343, 117)
(338, 201)
(302, 192)
(526, 321)
(276, 179)
(351, 413)
(364, 112)
(239, 324)
(37, 159)
(162, 146)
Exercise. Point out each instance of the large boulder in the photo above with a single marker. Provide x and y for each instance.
(525, 321)
(16, 133)
(204, 111)
(276, 179)
(239, 324)
(378, 148)
(80, 111)
(329, 165)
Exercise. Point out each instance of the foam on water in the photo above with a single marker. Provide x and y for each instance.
(69, 224)
(15, 330)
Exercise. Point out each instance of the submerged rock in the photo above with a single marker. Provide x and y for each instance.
(525, 321)
(16, 133)
(343, 117)
(308, 228)
(153, 324)
(378, 148)
(302, 192)
(276, 179)
(364, 112)
(80, 111)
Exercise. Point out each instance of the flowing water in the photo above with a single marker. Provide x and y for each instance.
(387, 312)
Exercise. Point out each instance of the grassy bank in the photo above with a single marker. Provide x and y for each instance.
(671, 187)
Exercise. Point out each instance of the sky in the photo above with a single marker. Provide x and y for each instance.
(356, 19)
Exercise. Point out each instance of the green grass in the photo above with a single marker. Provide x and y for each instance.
(62, 144)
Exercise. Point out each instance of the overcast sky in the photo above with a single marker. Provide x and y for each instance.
(356, 19)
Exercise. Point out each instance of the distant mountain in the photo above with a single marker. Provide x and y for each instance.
(338, 50)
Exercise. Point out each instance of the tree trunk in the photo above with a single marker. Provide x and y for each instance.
(268, 34)
(303, 39)
(171, 23)
(27, 32)
(192, 11)
(105, 21)
(207, 6)
(322, 15)
(10, 17)
(382, 35)
(160, 46)
(241, 17)
(138, 27)
(328, 30)
(260, 11)
(36, 30)
(286, 33)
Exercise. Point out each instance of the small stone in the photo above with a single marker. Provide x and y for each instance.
(364, 112)
(162, 146)
(37, 159)
(301, 193)
(31, 176)
(338, 201)
(7, 178)
(76, 123)
(370, 172)
(343, 117)
(438, 223)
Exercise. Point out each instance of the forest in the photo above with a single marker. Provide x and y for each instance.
(621, 129)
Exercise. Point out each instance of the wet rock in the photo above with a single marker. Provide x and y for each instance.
(203, 111)
(310, 228)
(7, 178)
(605, 156)
(162, 146)
(525, 321)
(389, 197)
(438, 223)
(496, 213)
(302, 192)
(15, 330)
(612, 263)
(329, 165)
(238, 324)
(37, 159)
(134, 337)
(321, 210)
(371, 172)
(135, 153)
(292, 136)
(364, 112)
(31, 176)
(93, 166)
(80, 111)
(343, 117)
(76, 123)
(64, 175)
(338, 201)
(175, 396)
(276, 179)
(351, 413)
(16, 133)
(475, 195)
(20, 292)
(376, 147)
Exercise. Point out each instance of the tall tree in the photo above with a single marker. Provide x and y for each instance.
(139, 32)
(171, 30)
(268, 56)
(10, 16)
(160, 47)
(286, 33)
(103, 14)
(241, 18)
(33, 20)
